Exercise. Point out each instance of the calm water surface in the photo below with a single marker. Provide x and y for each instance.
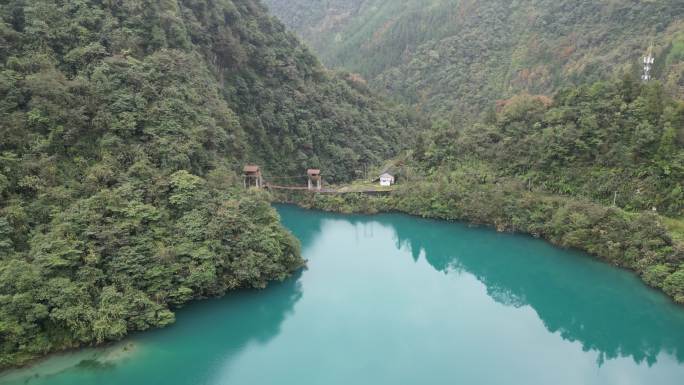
(392, 299)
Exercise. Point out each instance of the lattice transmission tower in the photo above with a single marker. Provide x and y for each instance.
(649, 59)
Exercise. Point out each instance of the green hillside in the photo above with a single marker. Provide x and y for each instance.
(456, 57)
(124, 124)
(618, 143)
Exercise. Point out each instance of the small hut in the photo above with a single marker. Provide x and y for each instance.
(314, 175)
(386, 179)
(252, 176)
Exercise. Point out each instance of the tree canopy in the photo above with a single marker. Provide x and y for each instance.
(123, 126)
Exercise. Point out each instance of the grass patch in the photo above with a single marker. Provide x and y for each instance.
(676, 227)
(361, 186)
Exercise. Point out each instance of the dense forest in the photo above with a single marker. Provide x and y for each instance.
(613, 142)
(456, 57)
(124, 124)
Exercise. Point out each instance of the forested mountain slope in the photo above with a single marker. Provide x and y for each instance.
(456, 57)
(613, 142)
(123, 125)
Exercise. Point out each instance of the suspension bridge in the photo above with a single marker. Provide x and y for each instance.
(311, 181)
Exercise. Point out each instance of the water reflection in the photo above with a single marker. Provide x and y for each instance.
(243, 319)
(605, 309)
(372, 309)
(207, 335)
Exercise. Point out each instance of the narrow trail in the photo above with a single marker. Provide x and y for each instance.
(326, 190)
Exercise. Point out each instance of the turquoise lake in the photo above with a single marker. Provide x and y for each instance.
(393, 299)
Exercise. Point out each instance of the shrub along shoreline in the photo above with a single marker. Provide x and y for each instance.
(635, 241)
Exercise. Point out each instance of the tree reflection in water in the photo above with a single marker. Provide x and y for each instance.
(606, 309)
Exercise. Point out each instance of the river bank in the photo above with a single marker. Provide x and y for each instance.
(636, 241)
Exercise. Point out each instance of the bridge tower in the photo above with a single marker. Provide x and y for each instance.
(314, 175)
(252, 176)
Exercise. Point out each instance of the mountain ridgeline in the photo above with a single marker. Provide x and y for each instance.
(454, 58)
(123, 126)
